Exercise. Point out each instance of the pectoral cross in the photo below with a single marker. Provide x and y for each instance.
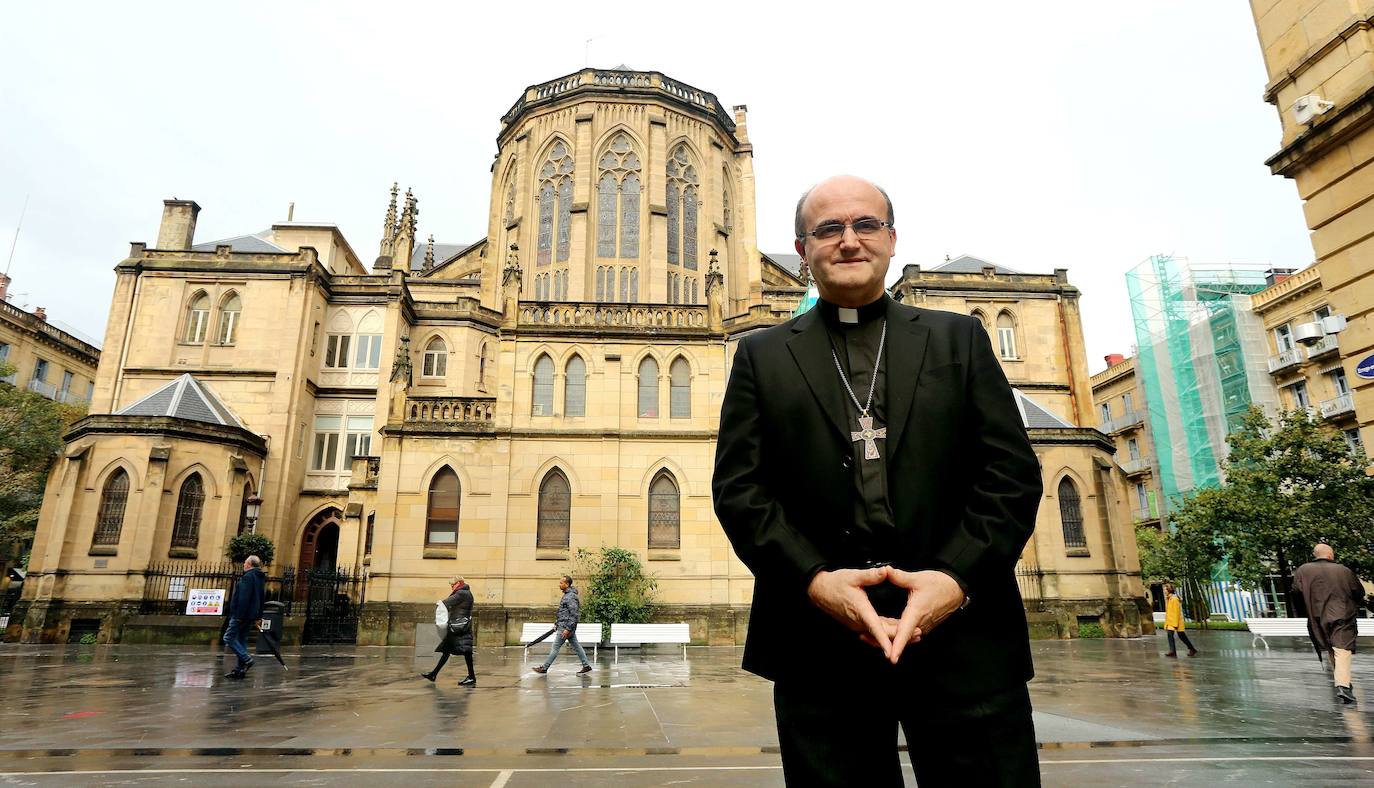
(868, 435)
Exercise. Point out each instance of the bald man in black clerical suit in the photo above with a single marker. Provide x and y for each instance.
(873, 473)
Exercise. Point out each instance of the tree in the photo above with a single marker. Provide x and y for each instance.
(1183, 555)
(618, 590)
(246, 544)
(1288, 486)
(31, 428)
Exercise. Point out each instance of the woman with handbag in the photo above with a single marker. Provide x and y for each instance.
(457, 635)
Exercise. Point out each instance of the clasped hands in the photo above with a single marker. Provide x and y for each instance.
(931, 597)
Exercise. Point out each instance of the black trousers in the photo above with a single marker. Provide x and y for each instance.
(1184, 637)
(844, 733)
(443, 658)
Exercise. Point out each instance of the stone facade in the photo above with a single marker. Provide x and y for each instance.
(1121, 408)
(554, 387)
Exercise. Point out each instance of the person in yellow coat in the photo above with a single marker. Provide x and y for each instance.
(1173, 621)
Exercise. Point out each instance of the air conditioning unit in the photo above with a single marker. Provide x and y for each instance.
(1308, 333)
(1333, 324)
(1307, 108)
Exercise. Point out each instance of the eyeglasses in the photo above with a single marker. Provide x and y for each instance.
(864, 228)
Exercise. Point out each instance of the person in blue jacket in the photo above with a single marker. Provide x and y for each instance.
(245, 610)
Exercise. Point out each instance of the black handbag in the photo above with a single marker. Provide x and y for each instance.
(459, 626)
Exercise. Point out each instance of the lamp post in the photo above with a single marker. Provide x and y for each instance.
(253, 507)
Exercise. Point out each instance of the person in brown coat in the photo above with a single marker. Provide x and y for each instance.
(1333, 596)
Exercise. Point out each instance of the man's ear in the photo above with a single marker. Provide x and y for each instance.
(800, 247)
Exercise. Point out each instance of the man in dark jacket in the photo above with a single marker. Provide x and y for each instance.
(1333, 596)
(873, 472)
(245, 610)
(565, 627)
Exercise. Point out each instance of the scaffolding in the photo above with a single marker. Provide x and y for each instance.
(1201, 361)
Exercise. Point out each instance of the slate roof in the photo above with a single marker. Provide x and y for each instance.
(185, 398)
(442, 253)
(256, 243)
(1034, 416)
(968, 264)
(790, 262)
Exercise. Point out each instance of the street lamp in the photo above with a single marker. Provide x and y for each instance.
(252, 508)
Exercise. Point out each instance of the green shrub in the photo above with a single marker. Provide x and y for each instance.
(1091, 631)
(246, 544)
(88, 639)
(617, 589)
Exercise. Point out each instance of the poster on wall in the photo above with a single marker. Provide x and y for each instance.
(205, 602)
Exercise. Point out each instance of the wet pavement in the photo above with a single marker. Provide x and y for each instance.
(1107, 712)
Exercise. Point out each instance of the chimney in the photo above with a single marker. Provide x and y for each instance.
(1275, 275)
(40, 313)
(178, 224)
(5, 287)
(1114, 358)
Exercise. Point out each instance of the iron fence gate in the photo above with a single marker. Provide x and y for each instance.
(332, 600)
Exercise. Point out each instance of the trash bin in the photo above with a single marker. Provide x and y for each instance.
(269, 638)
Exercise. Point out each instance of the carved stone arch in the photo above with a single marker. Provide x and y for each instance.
(508, 170)
(694, 154)
(670, 465)
(542, 349)
(135, 481)
(340, 323)
(317, 540)
(371, 323)
(604, 141)
(1082, 491)
(537, 478)
(547, 147)
(464, 478)
(574, 350)
(206, 477)
(681, 352)
(978, 314)
(638, 359)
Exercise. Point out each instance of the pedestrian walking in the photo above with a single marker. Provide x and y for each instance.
(565, 627)
(1173, 622)
(1333, 597)
(457, 635)
(245, 610)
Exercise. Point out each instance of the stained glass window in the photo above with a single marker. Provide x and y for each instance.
(110, 521)
(634, 285)
(624, 284)
(605, 215)
(665, 518)
(542, 403)
(510, 200)
(1071, 515)
(648, 388)
(629, 216)
(674, 214)
(545, 253)
(683, 204)
(186, 527)
(689, 227)
(680, 389)
(565, 219)
(724, 205)
(555, 206)
(575, 388)
(618, 192)
(555, 511)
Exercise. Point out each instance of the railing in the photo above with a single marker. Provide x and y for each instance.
(167, 584)
(72, 398)
(39, 324)
(1138, 465)
(1029, 579)
(1338, 406)
(612, 315)
(43, 387)
(10, 378)
(1287, 358)
(621, 79)
(1143, 515)
(1128, 419)
(468, 410)
(1324, 345)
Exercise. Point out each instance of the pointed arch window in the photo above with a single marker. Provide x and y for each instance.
(680, 389)
(510, 199)
(617, 201)
(436, 359)
(725, 202)
(229, 320)
(197, 319)
(665, 513)
(648, 388)
(555, 205)
(190, 505)
(601, 283)
(555, 511)
(1006, 336)
(575, 388)
(682, 197)
(441, 516)
(243, 507)
(482, 357)
(1071, 515)
(113, 499)
(542, 402)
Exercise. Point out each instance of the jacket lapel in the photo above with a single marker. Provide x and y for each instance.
(906, 353)
(810, 348)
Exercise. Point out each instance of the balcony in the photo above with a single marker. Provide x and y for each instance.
(451, 410)
(1339, 406)
(1133, 467)
(71, 398)
(10, 378)
(1326, 344)
(43, 387)
(1288, 358)
(1144, 515)
(1125, 421)
(648, 318)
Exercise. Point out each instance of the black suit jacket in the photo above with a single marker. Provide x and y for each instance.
(963, 483)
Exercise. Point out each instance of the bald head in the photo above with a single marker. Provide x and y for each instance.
(799, 221)
(1324, 551)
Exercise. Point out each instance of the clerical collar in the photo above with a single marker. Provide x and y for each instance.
(844, 316)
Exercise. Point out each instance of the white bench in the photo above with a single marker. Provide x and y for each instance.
(639, 634)
(1159, 618)
(587, 632)
(1294, 628)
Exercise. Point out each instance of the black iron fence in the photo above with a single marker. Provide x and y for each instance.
(1029, 579)
(167, 585)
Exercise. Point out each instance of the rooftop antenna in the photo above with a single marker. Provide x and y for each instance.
(17, 227)
(290, 211)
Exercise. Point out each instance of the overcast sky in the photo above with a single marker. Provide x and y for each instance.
(1078, 135)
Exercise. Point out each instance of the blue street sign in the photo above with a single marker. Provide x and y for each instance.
(1365, 368)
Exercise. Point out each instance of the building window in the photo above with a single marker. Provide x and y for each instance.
(1283, 338)
(680, 389)
(1142, 498)
(1298, 391)
(369, 355)
(113, 499)
(190, 504)
(482, 366)
(197, 319)
(542, 402)
(243, 508)
(1071, 515)
(617, 202)
(436, 359)
(648, 388)
(665, 515)
(575, 388)
(371, 524)
(351, 434)
(555, 511)
(1133, 448)
(1106, 412)
(1127, 405)
(1340, 383)
(725, 203)
(229, 320)
(66, 389)
(1321, 313)
(683, 187)
(1006, 336)
(4, 351)
(555, 205)
(1354, 441)
(40, 370)
(336, 351)
(441, 519)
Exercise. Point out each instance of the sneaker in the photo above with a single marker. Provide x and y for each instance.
(470, 681)
(540, 669)
(585, 669)
(235, 674)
